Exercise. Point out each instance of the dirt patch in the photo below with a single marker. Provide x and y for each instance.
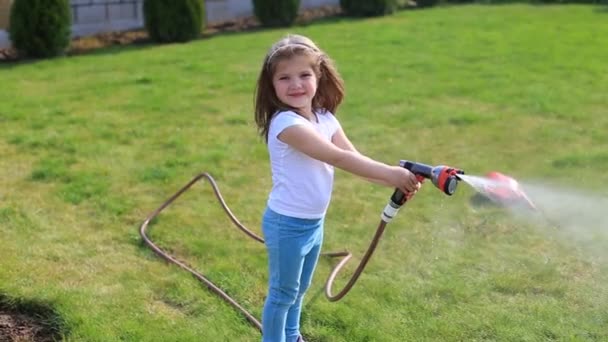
(24, 320)
(18, 327)
(81, 45)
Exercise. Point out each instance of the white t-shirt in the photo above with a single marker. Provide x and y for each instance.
(301, 185)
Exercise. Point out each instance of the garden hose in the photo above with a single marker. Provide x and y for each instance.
(346, 256)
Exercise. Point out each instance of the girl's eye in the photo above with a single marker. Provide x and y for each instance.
(306, 75)
(282, 78)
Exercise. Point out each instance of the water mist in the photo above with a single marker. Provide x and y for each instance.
(568, 214)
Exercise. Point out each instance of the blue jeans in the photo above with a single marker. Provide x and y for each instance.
(293, 246)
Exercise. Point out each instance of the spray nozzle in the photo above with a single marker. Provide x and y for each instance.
(445, 178)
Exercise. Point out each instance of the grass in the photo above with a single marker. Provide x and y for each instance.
(91, 144)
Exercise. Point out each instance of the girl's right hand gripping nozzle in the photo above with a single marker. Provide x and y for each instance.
(445, 178)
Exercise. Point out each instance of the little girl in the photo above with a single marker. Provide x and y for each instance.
(298, 92)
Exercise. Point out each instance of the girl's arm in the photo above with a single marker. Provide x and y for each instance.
(306, 140)
(341, 140)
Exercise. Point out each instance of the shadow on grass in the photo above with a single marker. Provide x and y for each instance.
(602, 8)
(601, 5)
(29, 320)
(15, 62)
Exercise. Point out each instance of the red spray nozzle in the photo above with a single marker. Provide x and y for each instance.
(445, 178)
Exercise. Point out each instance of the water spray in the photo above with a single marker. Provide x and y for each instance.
(501, 190)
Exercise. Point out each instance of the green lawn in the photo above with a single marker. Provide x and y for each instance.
(90, 145)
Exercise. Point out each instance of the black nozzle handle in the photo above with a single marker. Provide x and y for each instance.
(418, 169)
(398, 197)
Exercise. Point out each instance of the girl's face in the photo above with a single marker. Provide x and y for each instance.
(295, 83)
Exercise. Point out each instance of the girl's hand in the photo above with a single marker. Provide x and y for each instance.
(409, 195)
(404, 180)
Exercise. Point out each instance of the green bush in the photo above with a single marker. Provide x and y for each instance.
(170, 21)
(426, 3)
(401, 4)
(368, 8)
(276, 13)
(481, 1)
(40, 28)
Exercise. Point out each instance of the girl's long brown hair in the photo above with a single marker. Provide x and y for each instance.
(330, 90)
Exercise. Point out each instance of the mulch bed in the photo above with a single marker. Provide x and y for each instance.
(81, 45)
(19, 327)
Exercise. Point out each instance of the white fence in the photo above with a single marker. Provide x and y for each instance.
(96, 16)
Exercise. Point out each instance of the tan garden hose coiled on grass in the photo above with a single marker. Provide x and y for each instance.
(210, 285)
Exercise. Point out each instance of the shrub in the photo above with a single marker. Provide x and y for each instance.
(276, 13)
(170, 21)
(40, 28)
(368, 8)
(401, 4)
(426, 3)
